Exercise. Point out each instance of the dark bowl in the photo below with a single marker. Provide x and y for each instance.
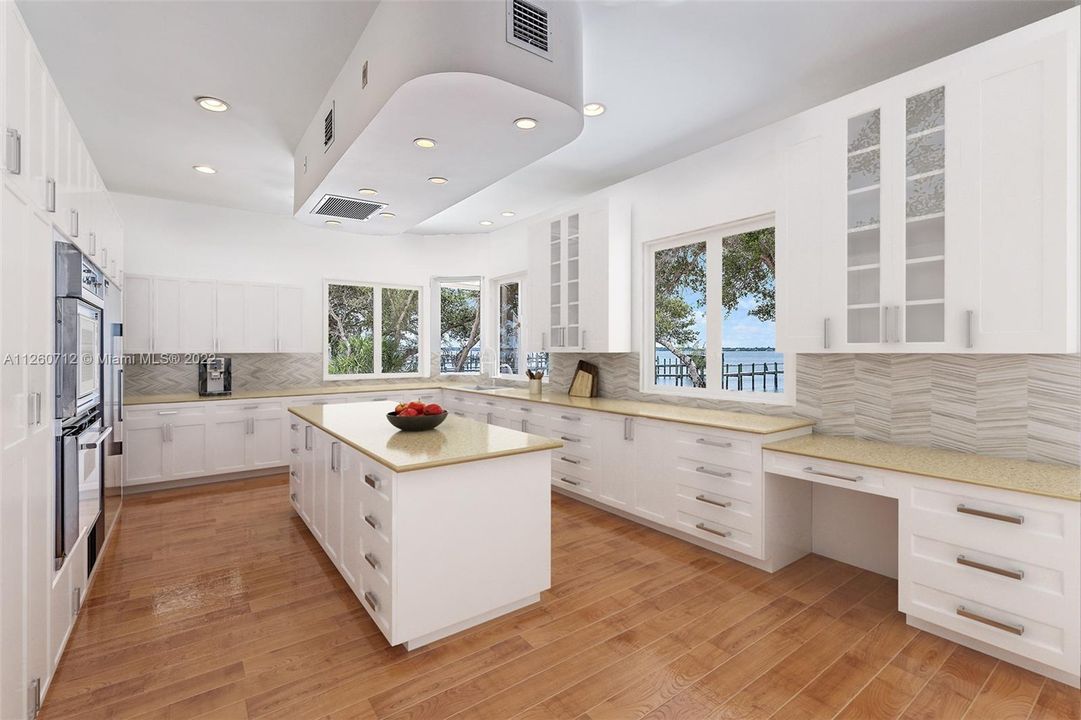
(416, 423)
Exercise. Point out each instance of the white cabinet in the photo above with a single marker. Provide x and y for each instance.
(138, 314)
(196, 313)
(619, 460)
(165, 443)
(229, 316)
(579, 268)
(260, 318)
(165, 314)
(290, 319)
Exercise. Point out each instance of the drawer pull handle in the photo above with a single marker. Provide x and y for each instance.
(371, 521)
(294, 451)
(570, 418)
(525, 409)
(708, 501)
(715, 473)
(371, 560)
(293, 497)
(569, 439)
(713, 443)
(372, 601)
(459, 414)
(569, 481)
(372, 481)
(969, 615)
(1012, 574)
(294, 426)
(835, 476)
(167, 412)
(1001, 517)
(705, 528)
(293, 473)
(572, 461)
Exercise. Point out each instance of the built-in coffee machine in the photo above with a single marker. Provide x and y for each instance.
(215, 376)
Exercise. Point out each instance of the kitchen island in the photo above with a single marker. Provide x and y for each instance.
(434, 531)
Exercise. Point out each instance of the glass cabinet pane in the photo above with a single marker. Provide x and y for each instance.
(925, 222)
(926, 111)
(864, 254)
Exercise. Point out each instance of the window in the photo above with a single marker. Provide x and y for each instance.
(711, 320)
(510, 318)
(459, 325)
(371, 330)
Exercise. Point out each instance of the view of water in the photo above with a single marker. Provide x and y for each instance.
(732, 358)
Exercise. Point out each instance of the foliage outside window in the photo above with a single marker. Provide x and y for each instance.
(513, 361)
(459, 327)
(356, 344)
(717, 291)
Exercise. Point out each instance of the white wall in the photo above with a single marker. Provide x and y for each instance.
(186, 240)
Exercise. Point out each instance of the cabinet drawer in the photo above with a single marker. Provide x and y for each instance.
(827, 472)
(720, 448)
(576, 443)
(719, 479)
(375, 486)
(1016, 632)
(1010, 525)
(719, 533)
(377, 558)
(717, 507)
(166, 413)
(577, 465)
(564, 420)
(375, 596)
(572, 482)
(1013, 585)
(374, 521)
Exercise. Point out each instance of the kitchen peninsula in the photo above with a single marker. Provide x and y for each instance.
(434, 531)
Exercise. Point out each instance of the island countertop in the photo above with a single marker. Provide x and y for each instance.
(364, 427)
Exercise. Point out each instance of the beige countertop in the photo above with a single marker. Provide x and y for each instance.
(720, 419)
(1058, 481)
(364, 426)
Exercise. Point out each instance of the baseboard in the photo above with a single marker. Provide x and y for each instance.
(204, 480)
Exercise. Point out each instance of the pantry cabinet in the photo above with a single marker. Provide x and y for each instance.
(579, 268)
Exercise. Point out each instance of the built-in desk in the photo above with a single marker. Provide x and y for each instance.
(989, 550)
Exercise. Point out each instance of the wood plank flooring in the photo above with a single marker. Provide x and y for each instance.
(216, 603)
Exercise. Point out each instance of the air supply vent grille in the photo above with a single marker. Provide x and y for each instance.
(328, 128)
(527, 26)
(345, 207)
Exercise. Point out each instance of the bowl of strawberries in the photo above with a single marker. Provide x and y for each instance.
(415, 416)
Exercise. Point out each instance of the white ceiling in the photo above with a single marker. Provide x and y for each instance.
(677, 76)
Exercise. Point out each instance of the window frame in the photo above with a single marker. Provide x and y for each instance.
(436, 327)
(377, 330)
(713, 236)
(494, 285)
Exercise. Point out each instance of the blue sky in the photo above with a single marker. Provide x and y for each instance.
(740, 329)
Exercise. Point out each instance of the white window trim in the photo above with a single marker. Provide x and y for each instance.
(437, 322)
(377, 331)
(714, 321)
(522, 278)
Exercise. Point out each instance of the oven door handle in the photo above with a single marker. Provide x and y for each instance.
(98, 440)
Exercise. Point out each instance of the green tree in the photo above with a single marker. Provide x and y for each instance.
(748, 266)
(459, 316)
(400, 328)
(350, 329)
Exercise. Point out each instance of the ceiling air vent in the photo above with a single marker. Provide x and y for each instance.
(527, 27)
(344, 207)
(328, 128)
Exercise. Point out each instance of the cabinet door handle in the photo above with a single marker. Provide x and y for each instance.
(1001, 517)
(897, 337)
(372, 521)
(885, 324)
(50, 195)
(582, 338)
(708, 501)
(570, 418)
(14, 151)
(835, 476)
(169, 432)
(706, 528)
(1012, 574)
(74, 223)
(93, 243)
(713, 443)
(569, 481)
(968, 614)
(628, 429)
(524, 425)
(373, 482)
(825, 333)
(525, 409)
(488, 418)
(336, 457)
(569, 439)
(968, 328)
(31, 415)
(372, 601)
(371, 560)
(308, 437)
(706, 471)
(544, 343)
(572, 461)
(167, 412)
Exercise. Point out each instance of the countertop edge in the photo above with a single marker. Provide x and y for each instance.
(924, 473)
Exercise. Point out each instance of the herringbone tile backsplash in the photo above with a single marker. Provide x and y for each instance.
(1016, 406)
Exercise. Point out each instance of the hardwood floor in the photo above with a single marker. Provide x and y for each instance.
(215, 602)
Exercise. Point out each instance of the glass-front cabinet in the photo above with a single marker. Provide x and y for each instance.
(864, 293)
(565, 309)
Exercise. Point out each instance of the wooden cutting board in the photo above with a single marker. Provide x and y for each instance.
(586, 382)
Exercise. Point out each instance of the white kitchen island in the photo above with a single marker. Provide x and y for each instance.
(434, 531)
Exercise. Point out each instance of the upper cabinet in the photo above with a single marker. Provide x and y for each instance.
(579, 270)
(936, 211)
(167, 315)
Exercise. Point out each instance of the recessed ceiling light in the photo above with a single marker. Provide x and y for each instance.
(437, 180)
(333, 222)
(507, 213)
(387, 215)
(212, 104)
(593, 109)
(366, 191)
(205, 169)
(525, 123)
(486, 223)
(424, 143)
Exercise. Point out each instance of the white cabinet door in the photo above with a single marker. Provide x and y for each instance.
(229, 317)
(144, 451)
(332, 537)
(266, 430)
(260, 318)
(14, 94)
(229, 432)
(1020, 215)
(38, 133)
(197, 316)
(290, 319)
(186, 452)
(654, 496)
(138, 304)
(352, 556)
(165, 328)
(619, 464)
(320, 454)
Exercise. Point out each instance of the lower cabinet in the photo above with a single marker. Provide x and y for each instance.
(166, 443)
